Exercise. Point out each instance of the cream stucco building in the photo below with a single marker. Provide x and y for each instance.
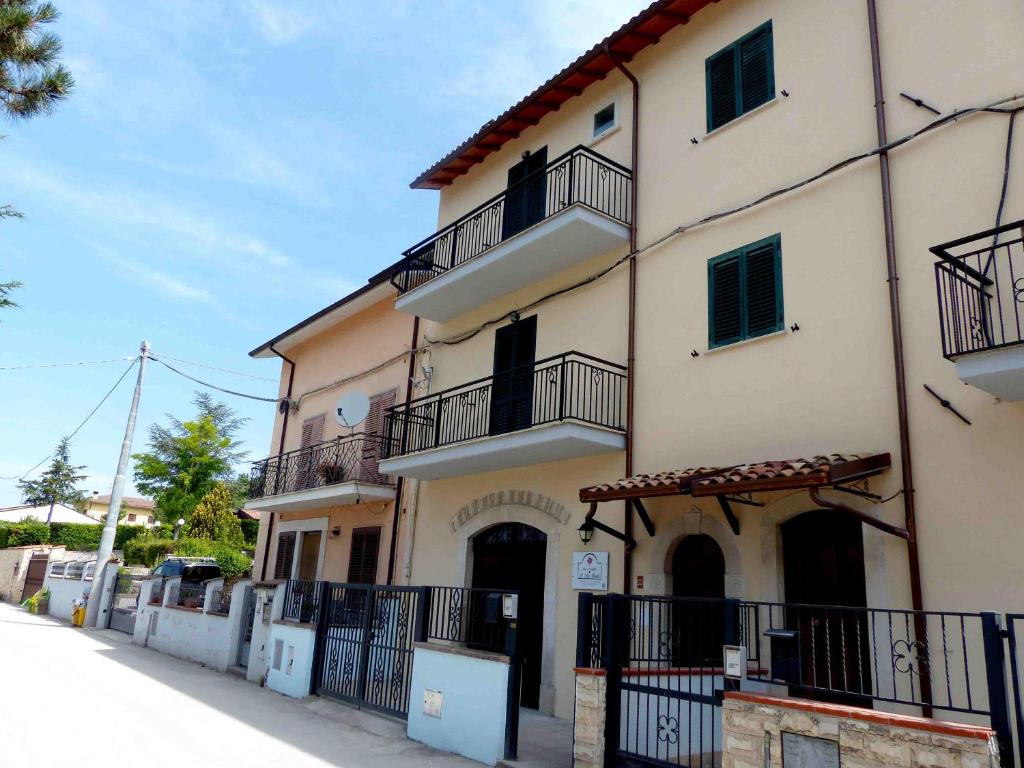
(623, 283)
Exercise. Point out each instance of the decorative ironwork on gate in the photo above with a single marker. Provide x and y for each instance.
(663, 661)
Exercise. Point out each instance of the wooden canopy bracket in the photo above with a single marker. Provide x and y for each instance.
(597, 525)
(734, 523)
(645, 518)
(864, 518)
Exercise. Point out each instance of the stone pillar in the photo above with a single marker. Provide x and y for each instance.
(588, 734)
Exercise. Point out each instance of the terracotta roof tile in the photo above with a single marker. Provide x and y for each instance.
(703, 481)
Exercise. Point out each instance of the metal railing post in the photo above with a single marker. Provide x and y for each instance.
(616, 627)
(422, 631)
(995, 676)
(320, 637)
(437, 424)
(515, 674)
(563, 371)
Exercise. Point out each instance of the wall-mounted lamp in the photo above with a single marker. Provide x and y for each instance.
(335, 532)
(514, 317)
(586, 532)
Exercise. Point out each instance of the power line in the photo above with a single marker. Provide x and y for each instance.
(82, 424)
(994, 106)
(214, 386)
(60, 365)
(222, 370)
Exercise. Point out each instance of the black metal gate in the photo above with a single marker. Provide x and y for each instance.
(364, 645)
(245, 636)
(126, 601)
(664, 679)
(1014, 623)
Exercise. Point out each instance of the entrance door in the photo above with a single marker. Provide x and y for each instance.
(515, 349)
(309, 556)
(698, 630)
(823, 554)
(511, 556)
(35, 575)
(525, 196)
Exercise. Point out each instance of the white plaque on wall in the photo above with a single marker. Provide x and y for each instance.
(590, 570)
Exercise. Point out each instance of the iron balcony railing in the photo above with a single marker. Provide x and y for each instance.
(570, 386)
(579, 177)
(980, 284)
(342, 460)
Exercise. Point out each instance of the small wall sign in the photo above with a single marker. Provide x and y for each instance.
(735, 662)
(799, 751)
(510, 606)
(590, 570)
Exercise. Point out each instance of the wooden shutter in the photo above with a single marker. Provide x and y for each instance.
(757, 78)
(373, 429)
(285, 555)
(312, 430)
(721, 86)
(763, 288)
(725, 306)
(362, 561)
(306, 473)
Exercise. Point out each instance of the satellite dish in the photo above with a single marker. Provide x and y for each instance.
(351, 408)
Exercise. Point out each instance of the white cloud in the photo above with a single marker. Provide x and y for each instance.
(168, 285)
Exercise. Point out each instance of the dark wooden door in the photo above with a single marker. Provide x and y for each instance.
(526, 194)
(511, 557)
(515, 348)
(698, 628)
(823, 554)
(34, 575)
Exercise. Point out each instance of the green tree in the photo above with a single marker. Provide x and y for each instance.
(58, 482)
(187, 459)
(31, 79)
(214, 518)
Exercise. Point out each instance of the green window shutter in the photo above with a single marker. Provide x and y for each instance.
(720, 70)
(745, 293)
(757, 77)
(763, 288)
(725, 302)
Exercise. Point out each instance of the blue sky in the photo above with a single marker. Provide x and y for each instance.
(224, 170)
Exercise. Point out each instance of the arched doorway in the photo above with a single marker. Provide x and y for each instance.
(511, 556)
(823, 565)
(698, 571)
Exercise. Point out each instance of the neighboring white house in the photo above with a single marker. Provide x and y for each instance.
(61, 514)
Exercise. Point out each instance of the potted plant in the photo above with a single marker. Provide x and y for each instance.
(332, 473)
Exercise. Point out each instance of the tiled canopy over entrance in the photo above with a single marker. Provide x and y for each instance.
(827, 470)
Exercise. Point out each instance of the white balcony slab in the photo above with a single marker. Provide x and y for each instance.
(999, 372)
(538, 445)
(566, 239)
(325, 496)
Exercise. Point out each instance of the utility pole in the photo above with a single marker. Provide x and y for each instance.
(116, 495)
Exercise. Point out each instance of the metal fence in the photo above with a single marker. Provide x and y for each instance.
(188, 594)
(156, 594)
(302, 601)
(980, 285)
(220, 600)
(568, 386)
(663, 658)
(469, 616)
(578, 177)
(352, 458)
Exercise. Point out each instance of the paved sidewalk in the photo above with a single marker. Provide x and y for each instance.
(72, 697)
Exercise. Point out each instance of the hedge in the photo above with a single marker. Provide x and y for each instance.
(81, 537)
(250, 530)
(148, 552)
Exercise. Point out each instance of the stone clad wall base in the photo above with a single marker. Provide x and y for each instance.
(867, 738)
(588, 731)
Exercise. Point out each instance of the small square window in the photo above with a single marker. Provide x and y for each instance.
(604, 120)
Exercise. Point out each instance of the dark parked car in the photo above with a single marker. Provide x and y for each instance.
(190, 569)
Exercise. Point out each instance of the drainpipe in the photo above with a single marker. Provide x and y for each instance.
(400, 484)
(892, 276)
(627, 553)
(280, 450)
